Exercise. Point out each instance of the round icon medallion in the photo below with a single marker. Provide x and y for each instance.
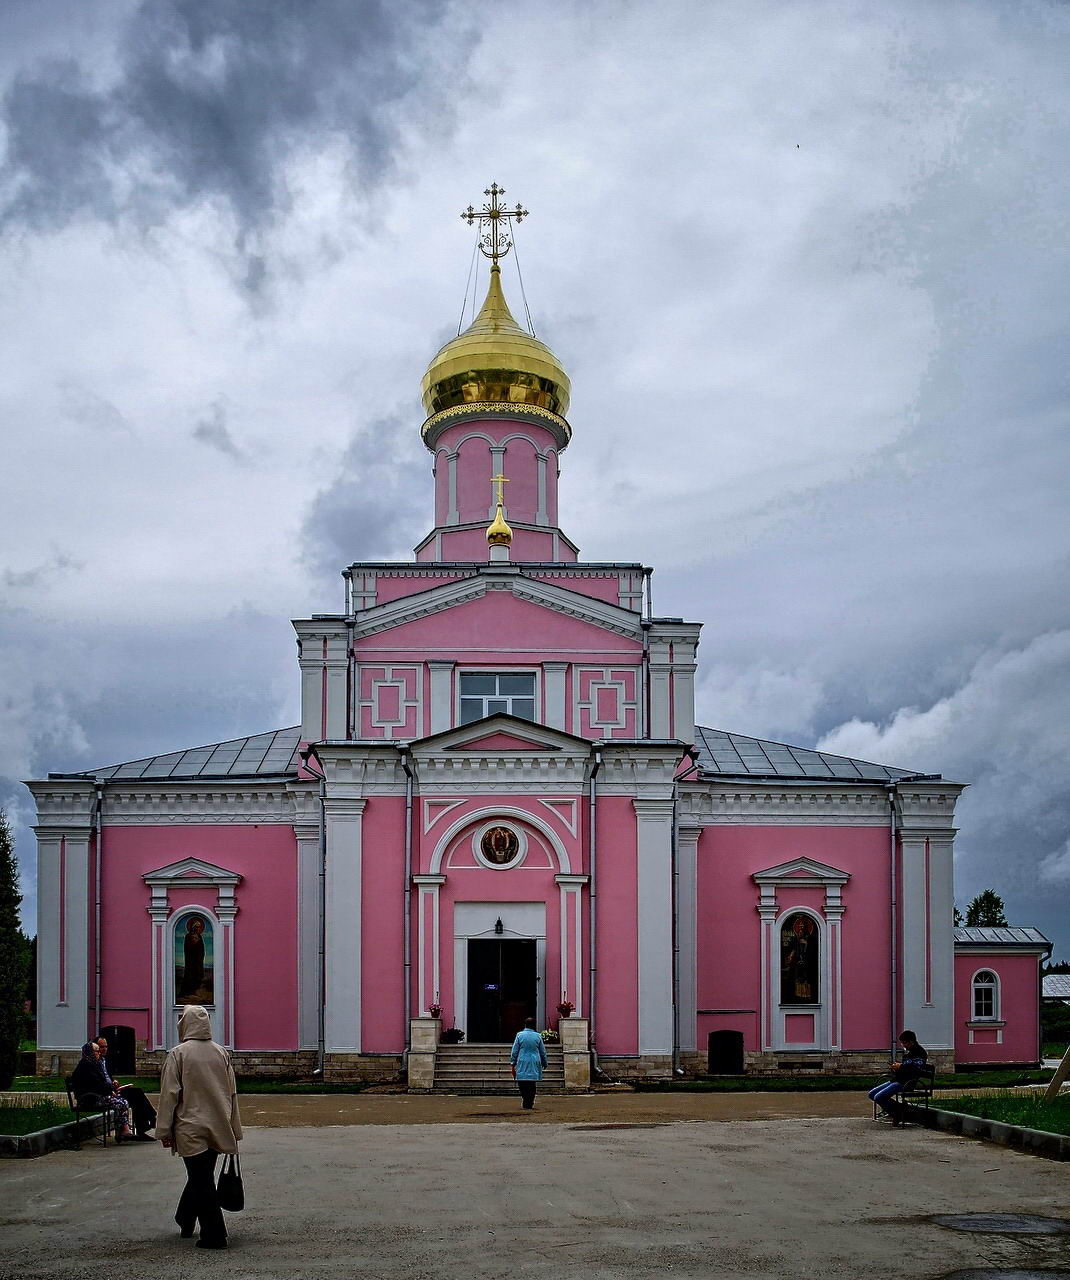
(499, 846)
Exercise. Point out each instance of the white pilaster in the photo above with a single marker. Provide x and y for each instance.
(654, 890)
(541, 516)
(452, 514)
(554, 689)
(63, 936)
(308, 932)
(428, 941)
(571, 887)
(925, 813)
(660, 690)
(441, 695)
(344, 905)
(687, 932)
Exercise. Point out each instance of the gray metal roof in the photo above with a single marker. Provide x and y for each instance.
(262, 755)
(1055, 986)
(1001, 936)
(735, 755)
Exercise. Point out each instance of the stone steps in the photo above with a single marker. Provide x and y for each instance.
(484, 1069)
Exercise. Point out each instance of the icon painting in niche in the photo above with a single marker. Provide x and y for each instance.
(194, 960)
(500, 846)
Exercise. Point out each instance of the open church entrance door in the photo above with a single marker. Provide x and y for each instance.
(502, 988)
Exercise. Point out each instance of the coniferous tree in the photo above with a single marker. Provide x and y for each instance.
(13, 953)
(986, 909)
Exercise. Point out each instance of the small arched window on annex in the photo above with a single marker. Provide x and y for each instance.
(984, 996)
(800, 951)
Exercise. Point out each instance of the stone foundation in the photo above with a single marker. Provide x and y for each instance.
(844, 1062)
(56, 1062)
(647, 1067)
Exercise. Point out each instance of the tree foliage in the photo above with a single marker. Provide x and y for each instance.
(14, 959)
(986, 909)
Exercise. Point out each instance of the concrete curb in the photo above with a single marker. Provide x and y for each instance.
(1053, 1146)
(58, 1138)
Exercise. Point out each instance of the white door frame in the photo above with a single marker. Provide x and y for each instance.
(525, 921)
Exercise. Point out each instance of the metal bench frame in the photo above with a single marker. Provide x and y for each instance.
(920, 1088)
(102, 1109)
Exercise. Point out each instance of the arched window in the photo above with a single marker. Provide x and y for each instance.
(799, 960)
(985, 994)
(194, 957)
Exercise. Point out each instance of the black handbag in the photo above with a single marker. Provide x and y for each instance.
(230, 1189)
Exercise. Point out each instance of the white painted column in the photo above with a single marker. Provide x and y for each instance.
(660, 689)
(654, 890)
(687, 839)
(770, 1030)
(924, 1006)
(308, 931)
(832, 999)
(452, 514)
(428, 942)
(553, 676)
(226, 911)
(441, 695)
(344, 906)
(541, 516)
(311, 664)
(942, 937)
(497, 468)
(337, 663)
(571, 887)
(63, 938)
(683, 698)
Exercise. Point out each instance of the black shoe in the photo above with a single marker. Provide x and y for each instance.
(143, 1137)
(211, 1244)
(186, 1228)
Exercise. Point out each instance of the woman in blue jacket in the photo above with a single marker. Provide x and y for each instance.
(528, 1057)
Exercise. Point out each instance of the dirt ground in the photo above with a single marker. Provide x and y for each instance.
(630, 1185)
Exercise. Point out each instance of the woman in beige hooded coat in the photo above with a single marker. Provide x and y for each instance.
(198, 1118)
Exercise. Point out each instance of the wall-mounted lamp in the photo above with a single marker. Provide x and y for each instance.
(498, 926)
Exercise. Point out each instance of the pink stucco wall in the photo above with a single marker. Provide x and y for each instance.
(1019, 1008)
(617, 1028)
(265, 930)
(382, 941)
(498, 627)
(729, 940)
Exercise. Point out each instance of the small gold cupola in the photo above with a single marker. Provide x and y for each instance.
(496, 361)
(498, 532)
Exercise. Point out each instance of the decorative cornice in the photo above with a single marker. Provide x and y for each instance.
(159, 803)
(498, 410)
(759, 804)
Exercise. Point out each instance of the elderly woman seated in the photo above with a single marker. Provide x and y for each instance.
(92, 1088)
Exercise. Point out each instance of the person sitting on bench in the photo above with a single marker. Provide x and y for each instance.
(93, 1090)
(141, 1108)
(904, 1072)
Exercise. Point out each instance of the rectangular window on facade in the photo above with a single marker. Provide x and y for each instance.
(488, 693)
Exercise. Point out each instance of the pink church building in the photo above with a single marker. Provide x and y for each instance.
(497, 802)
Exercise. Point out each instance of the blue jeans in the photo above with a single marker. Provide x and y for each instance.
(883, 1094)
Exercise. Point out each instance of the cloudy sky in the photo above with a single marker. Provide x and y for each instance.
(807, 264)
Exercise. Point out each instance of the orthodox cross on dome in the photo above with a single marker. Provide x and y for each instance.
(498, 532)
(495, 224)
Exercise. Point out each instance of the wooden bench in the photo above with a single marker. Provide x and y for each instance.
(918, 1089)
(81, 1108)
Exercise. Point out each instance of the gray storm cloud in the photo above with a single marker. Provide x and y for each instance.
(209, 102)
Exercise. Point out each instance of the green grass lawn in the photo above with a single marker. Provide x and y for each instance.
(28, 1118)
(1029, 1110)
(1053, 1049)
(835, 1084)
(54, 1084)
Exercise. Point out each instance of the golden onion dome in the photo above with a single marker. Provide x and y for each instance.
(496, 361)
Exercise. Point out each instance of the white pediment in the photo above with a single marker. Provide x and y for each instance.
(801, 871)
(192, 871)
(599, 613)
(480, 736)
